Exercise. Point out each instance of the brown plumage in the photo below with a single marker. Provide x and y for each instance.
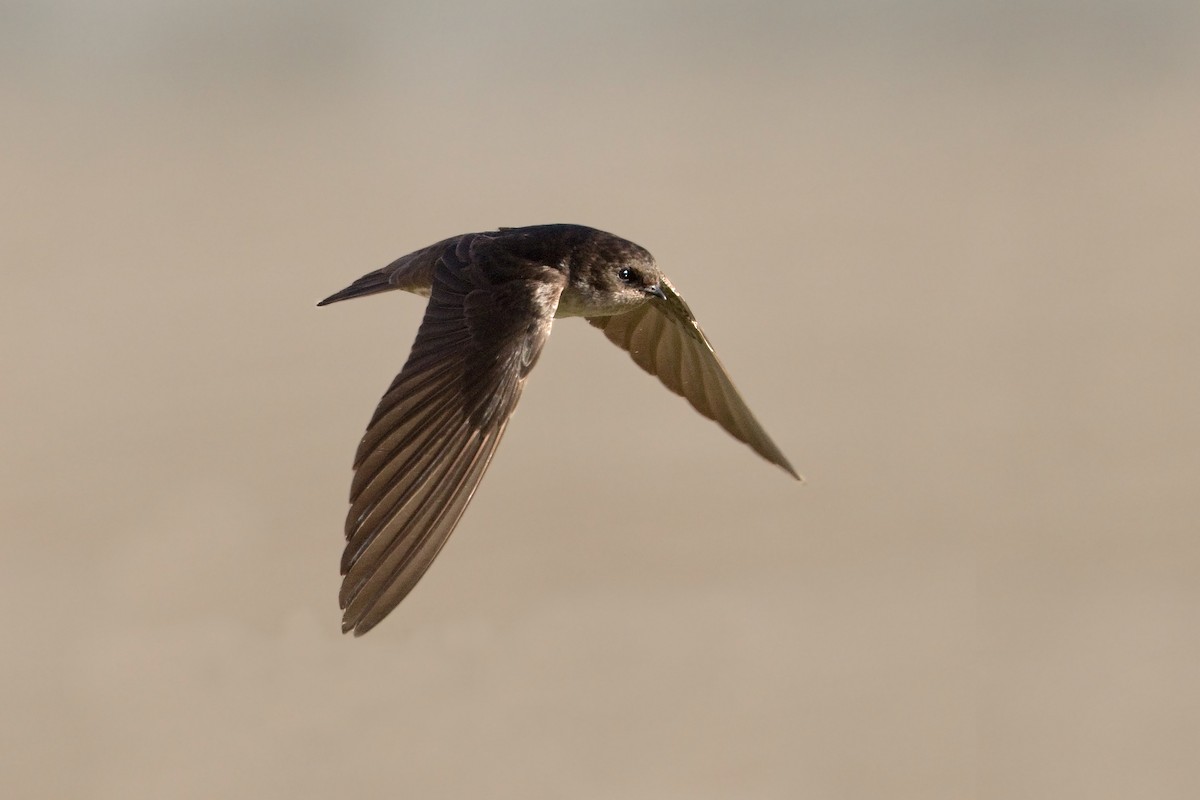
(492, 299)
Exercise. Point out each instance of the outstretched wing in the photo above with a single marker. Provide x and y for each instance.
(434, 432)
(664, 339)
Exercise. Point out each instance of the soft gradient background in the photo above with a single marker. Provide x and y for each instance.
(950, 252)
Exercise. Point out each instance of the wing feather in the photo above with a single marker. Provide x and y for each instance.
(437, 427)
(663, 338)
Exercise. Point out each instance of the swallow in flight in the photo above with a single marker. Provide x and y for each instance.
(492, 299)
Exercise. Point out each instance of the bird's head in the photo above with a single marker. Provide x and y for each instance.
(633, 281)
(611, 276)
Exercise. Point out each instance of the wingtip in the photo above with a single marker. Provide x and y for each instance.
(790, 470)
(349, 626)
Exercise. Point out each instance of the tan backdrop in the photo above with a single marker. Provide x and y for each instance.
(949, 252)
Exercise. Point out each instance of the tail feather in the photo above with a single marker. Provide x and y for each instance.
(371, 283)
(412, 273)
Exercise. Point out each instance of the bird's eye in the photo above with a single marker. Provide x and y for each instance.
(626, 274)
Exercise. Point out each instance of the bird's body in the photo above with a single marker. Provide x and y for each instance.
(492, 299)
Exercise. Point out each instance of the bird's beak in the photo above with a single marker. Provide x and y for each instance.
(656, 291)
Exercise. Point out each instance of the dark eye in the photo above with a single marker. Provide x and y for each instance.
(626, 274)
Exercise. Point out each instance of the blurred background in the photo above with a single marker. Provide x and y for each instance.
(948, 250)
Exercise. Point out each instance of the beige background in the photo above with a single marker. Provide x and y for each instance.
(948, 251)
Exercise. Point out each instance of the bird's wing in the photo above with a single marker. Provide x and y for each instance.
(434, 432)
(665, 340)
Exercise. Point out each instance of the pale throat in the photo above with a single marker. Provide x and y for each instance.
(588, 301)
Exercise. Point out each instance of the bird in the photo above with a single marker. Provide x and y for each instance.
(493, 297)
